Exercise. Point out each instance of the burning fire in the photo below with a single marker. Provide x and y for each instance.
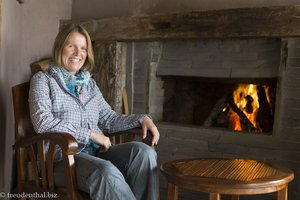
(246, 100)
(235, 121)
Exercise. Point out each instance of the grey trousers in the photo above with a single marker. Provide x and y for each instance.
(126, 172)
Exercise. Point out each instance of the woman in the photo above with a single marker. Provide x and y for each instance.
(67, 99)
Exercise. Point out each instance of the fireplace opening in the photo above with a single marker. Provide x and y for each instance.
(235, 104)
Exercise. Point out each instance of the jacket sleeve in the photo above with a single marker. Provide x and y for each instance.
(40, 106)
(112, 122)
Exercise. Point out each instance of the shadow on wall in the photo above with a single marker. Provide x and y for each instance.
(3, 133)
(4, 96)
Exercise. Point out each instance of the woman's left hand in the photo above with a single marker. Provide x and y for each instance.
(148, 125)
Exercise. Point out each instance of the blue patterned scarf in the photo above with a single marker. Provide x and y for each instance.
(74, 83)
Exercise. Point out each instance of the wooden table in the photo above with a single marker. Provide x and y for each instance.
(226, 176)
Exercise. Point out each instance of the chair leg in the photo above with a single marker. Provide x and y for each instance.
(172, 192)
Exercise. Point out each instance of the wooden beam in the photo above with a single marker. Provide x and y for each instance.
(279, 21)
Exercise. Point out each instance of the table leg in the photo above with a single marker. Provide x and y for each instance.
(282, 194)
(235, 197)
(172, 192)
(214, 196)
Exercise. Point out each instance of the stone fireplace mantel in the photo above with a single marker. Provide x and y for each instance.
(279, 21)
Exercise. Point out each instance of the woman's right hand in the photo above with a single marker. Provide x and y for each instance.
(101, 140)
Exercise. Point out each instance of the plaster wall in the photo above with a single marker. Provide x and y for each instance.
(84, 9)
(27, 33)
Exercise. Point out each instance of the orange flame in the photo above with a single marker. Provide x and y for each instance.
(246, 99)
(235, 121)
(243, 95)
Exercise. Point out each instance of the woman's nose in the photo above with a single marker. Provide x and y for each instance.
(76, 51)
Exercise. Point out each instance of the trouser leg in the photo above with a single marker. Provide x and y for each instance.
(100, 178)
(138, 163)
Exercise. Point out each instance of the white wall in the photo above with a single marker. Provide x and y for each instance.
(28, 31)
(83, 9)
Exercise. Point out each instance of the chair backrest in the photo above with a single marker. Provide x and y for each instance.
(23, 130)
(41, 65)
(23, 125)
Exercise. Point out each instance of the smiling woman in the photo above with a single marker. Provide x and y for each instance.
(66, 98)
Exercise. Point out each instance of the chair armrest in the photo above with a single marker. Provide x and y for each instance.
(42, 163)
(132, 132)
(66, 141)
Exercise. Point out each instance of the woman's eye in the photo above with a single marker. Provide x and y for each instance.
(69, 46)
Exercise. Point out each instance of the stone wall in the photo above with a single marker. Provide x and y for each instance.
(231, 58)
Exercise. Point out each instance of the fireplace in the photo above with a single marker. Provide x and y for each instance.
(219, 49)
(196, 81)
(236, 105)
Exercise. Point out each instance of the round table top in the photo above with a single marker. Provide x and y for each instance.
(226, 176)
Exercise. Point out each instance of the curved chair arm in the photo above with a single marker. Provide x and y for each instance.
(66, 141)
(42, 162)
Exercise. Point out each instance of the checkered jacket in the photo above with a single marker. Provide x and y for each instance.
(54, 109)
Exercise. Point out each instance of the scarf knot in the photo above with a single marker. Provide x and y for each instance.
(74, 83)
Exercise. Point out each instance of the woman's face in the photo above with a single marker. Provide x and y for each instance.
(74, 52)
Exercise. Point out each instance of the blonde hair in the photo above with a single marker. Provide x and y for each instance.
(60, 42)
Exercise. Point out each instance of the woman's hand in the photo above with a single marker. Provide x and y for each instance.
(148, 125)
(101, 140)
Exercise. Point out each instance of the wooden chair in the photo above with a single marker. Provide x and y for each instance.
(29, 147)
